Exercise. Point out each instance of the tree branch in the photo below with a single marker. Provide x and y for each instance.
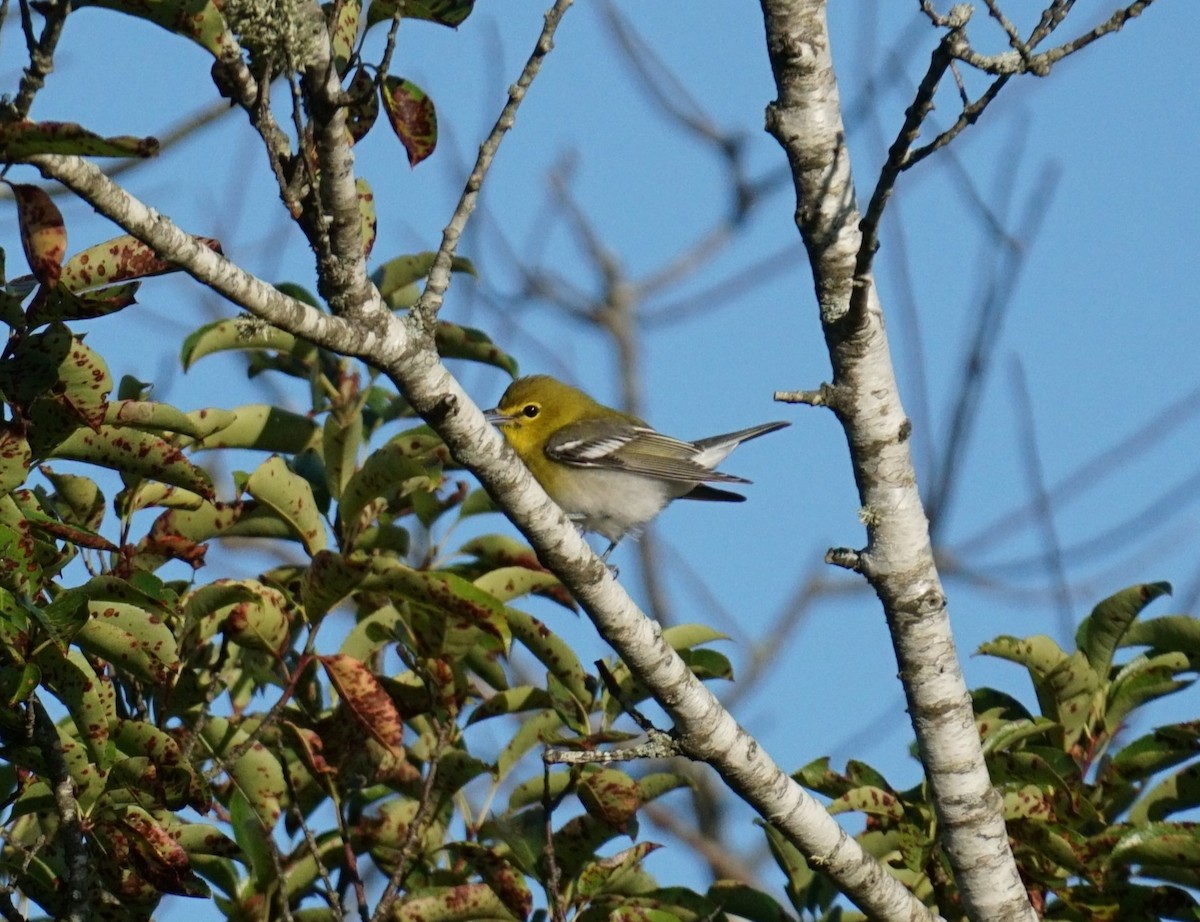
(44, 735)
(427, 306)
(404, 349)
(898, 559)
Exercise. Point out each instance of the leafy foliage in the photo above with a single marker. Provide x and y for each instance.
(372, 707)
(220, 738)
(1093, 820)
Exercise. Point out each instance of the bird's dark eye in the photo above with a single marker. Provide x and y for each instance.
(530, 410)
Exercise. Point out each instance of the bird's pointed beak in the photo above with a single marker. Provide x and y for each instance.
(495, 417)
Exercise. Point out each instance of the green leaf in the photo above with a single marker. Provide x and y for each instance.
(119, 260)
(1164, 844)
(263, 427)
(501, 875)
(240, 334)
(199, 20)
(1154, 752)
(131, 638)
(256, 774)
(455, 342)
(447, 615)
(397, 279)
(552, 652)
(343, 34)
(135, 453)
(77, 500)
(1174, 794)
(43, 233)
(1077, 691)
(157, 418)
(368, 221)
(15, 456)
(20, 571)
(451, 904)
(407, 464)
(19, 140)
(290, 497)
(58, 303)
(518, 700)
(605, 874)
(745, 902)
(340, 443)
(1100, 633)
(531, 732)
(328, 579)
(444, 12)
(1171, 632)
(1141, 680)
(508, 583)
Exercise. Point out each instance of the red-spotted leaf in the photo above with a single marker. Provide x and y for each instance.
(412, 117)
(363, 108)
(499, 873)
(599, 875)
(150, 851)
(43, 233)
(344, 34)
(256, 773)
(15, 456)
(199, 20)
(366, 699)
(60, 303)
(19, 140)
(119, 260)
(610, 796)
(366, 214)
(291, 498)
(138, 453)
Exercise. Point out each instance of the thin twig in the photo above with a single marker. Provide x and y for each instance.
(897, 162)
(44, 735)
(41, 53)
(995, 304)
(1052, 551)
(424, 312)
(1013, 63)
(416, 827)
(553, 874)
(1091, 472)
(7, 910)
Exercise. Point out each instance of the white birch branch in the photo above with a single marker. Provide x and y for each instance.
(898, 559)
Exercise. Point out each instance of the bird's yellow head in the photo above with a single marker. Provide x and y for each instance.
(535, 407)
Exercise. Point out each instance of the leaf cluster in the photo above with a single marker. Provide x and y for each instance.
(1093, 818)
(218, 739)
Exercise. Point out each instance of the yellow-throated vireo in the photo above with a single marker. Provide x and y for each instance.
(609, 471)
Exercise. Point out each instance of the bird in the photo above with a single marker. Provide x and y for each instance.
(609, 471)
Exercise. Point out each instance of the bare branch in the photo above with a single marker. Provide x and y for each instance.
(898, 560)
(1014, 62)
(430, 302)
(41, 53)
(1052, 552)
(897, 162)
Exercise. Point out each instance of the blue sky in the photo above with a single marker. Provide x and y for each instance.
(1103, 318)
